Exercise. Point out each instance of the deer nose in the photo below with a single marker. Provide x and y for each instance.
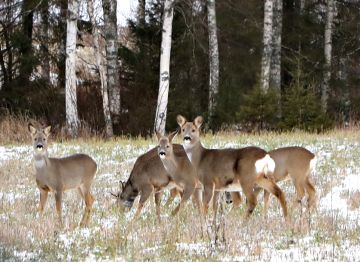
(39, 146)
(187, 138)
(162, 154)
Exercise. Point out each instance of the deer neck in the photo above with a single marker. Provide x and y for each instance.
(170, 163)
(194, 153)
(41, 160)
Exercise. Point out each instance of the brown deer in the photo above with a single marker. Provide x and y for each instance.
(290, 162)
(179, 167)
(147, 176)
(60, 174)
(229, 169)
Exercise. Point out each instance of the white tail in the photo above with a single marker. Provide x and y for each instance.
(265, 165)
(313, 164)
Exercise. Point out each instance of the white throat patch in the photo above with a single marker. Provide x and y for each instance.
(40, 163)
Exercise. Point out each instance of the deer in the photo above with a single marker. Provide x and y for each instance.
(61, 174)
(180, 169)
(292, 162)
(147, 176)
(229, 169)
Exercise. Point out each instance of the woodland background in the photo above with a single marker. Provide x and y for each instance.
(34, 45)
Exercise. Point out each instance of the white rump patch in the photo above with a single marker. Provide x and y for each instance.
(313, 163)
(265, 165)
(40, 163)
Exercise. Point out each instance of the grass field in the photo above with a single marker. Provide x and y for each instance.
(331, 233)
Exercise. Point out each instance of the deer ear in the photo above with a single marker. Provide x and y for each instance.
(158, 135)
(32, 129)
(180, 120)
(198, 121)
(172, 135)
(47, 130)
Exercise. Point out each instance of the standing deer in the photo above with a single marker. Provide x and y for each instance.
(229, 169)
(294, 162)
(60, 174)
(179, 167)
(148, 175)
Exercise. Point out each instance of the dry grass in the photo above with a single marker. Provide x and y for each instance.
(111, 235)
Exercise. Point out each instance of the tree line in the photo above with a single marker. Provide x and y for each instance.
(248, 65)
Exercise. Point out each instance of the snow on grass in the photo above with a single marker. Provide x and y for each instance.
(333, 233)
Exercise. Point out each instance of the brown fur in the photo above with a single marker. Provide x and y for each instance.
(216, 167)
(293, 162)
(60, 174)
(179, 167)
(148, 175)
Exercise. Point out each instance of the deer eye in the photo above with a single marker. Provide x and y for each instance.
(193, 130)
(183, 129)
(167, 146)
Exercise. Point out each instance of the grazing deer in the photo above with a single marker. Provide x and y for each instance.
(294, 162)
(229, 169)
(60, 174)
(179, 167)
(148, 175)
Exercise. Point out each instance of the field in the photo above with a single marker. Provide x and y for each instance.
(331, 233)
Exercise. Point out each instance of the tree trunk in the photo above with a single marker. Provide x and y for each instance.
(102, 71)
(111, 46)
(26, 65)
(72, 118)
(44, 46)
(141, 12)
(213, 59)
(162, 102)
(346, 92)
(267, 48)
(327, 53)
(275, 73)
(62, 45)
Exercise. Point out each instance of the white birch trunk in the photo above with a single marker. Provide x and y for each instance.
(275, 73)
(330, 9)
(267, 48)
(213, 58)
(101, 65)
(110, 23)
(162, 102)
(72, 118)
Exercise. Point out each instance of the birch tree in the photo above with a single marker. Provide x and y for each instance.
(112, 46)
(162, 102)
(72, 118)
(213, 58)
(327, 53)
(275, 72)
(267, 45)
(100, 64)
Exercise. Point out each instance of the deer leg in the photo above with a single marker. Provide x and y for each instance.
(188, 191)
(311, 193)
(43, 199)
(157, 204)
(58, 200)
(266, 202)
(207, 195)
(145, 194)
(173, 193)
(236, 199)
(270, 186)
(89, 200)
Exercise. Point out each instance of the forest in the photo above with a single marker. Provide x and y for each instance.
(244, 65)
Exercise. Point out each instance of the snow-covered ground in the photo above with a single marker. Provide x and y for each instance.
(332, 233)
